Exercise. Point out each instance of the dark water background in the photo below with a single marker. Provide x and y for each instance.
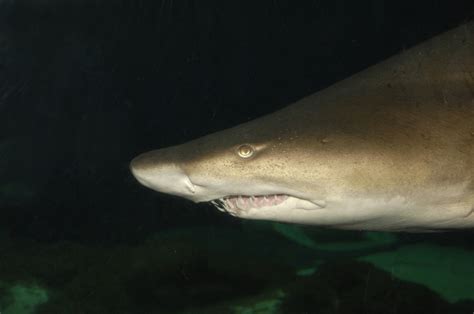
(85, 85)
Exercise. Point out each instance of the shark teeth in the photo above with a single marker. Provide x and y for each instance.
(232, 204)
(219, 204)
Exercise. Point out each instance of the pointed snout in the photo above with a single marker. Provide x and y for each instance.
(155, 171)
(138, 167)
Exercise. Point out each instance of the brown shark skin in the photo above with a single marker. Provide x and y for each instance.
(403, 128)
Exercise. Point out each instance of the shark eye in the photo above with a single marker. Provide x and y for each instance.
(245, 151)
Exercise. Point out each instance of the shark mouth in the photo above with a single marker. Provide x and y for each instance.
(235, 203)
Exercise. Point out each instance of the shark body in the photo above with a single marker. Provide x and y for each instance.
(390, 148)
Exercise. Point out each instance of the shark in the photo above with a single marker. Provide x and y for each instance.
(390, 148)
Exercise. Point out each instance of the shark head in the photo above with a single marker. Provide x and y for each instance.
(245, 171)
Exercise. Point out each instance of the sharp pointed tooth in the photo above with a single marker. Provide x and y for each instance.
(219, 204)
(225, 209)
(254, 201)
(240, 202)
(213, 202)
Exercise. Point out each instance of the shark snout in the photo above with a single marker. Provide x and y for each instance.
(161, 175)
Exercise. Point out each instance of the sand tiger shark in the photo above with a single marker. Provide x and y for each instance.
(390, 148)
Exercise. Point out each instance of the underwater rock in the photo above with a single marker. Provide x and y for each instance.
(21, 298)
